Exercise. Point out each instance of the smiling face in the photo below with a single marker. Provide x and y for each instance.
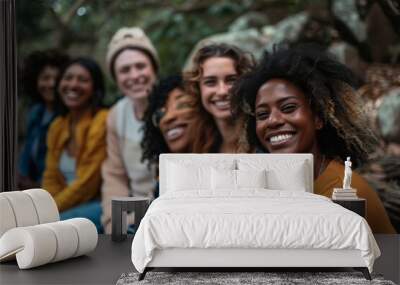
(285, 122)
(76, 87)
(176, 121)
(134, 74)
(218, 76)
(46, 83)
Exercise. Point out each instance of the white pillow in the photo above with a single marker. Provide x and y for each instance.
(281, 174)
(223, 179)
(216, 163)
(182, 177)
(251, 179)
(291, 179)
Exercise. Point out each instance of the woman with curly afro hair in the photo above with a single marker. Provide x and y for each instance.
(302, 101)
(215, 69)
(40, 72)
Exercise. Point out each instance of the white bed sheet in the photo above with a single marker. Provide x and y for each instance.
(253, 218)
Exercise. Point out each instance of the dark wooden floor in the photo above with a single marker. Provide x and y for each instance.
(106, 264)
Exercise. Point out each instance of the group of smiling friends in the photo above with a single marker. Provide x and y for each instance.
(293, 100)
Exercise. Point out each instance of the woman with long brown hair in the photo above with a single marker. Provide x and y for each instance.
(215, 69)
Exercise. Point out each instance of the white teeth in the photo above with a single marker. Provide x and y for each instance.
(222, 104)
(129, 84)
(136, 88)
(280, 138)
(175, 133)
(72, 95)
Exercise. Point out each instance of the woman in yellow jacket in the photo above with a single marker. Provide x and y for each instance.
(76, 142)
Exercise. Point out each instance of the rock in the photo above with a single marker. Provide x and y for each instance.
(349, 56)
(250, 40)
(343, 52)
(388, 116)
(286, 31)
(380, 79)
(346, 12)
(381, 35)
(248, 21)
(383, 175)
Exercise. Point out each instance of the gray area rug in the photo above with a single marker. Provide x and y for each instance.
(229, 278)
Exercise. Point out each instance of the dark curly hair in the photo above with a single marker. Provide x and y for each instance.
(34, 65)
(329, 87)
(153, 143)
(210, 139)
(98, 84)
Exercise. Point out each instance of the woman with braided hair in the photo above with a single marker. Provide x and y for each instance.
(302, 101)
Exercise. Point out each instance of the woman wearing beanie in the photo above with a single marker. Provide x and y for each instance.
(133, 63)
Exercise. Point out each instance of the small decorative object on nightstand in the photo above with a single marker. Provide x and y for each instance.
(345, 193)
(347, 196)
(120, 206)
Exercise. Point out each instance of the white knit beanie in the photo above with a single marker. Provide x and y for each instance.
(130, 37)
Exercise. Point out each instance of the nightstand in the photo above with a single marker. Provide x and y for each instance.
(119, 208)
(356, 205)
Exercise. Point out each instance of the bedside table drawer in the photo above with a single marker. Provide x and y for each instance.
(357, 206)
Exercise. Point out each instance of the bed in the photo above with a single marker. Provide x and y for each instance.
(247, 210)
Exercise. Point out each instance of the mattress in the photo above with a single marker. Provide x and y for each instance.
(251, 219)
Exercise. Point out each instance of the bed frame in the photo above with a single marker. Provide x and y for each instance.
(241, 259)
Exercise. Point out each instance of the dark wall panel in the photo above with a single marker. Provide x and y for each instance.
(8, 95)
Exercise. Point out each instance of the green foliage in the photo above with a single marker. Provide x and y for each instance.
(84, 27)
(29, 29)
(173, 31)
(175, 34)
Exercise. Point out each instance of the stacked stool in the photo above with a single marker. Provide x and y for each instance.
(31, 231)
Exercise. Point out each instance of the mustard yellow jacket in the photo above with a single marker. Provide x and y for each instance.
(90, 137)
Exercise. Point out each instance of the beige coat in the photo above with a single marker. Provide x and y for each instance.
(123, 173)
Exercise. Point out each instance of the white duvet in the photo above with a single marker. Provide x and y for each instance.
(256, 218)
